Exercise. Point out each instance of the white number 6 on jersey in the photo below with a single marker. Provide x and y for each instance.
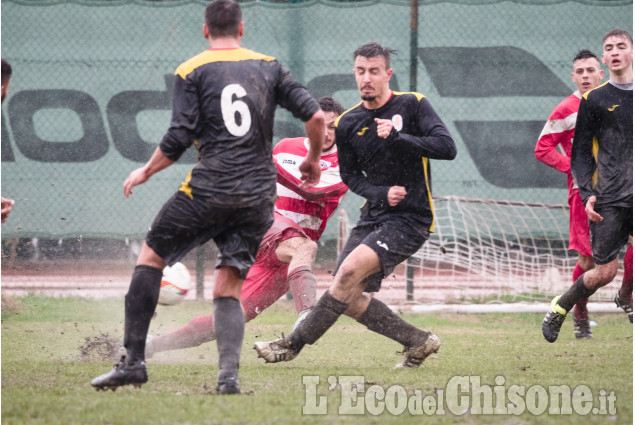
(230, 107)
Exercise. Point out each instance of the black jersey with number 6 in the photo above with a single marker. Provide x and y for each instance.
(224, 104)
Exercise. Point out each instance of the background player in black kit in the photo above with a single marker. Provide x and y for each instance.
(224, 103)
(384, 146)
(602, 164)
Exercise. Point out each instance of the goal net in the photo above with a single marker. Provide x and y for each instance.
(485, 251)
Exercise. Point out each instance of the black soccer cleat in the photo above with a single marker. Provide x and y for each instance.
(552, 322)
(625, 305)
(122, 374)
(228, 385)
(582, 328)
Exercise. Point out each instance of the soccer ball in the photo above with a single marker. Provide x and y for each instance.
(175, 283)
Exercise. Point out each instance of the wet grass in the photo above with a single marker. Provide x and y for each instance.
(46, 370)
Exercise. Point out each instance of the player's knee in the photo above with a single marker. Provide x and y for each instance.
(307, 248)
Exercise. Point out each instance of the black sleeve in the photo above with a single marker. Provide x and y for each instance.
(434, 141)
(185, 117)
(582, 162)
(294, 97)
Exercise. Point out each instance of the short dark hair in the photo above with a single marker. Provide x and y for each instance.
(617, 32)
(328, 104)
(585, 54)
(6, 71)
(223, 18)
(372, 50)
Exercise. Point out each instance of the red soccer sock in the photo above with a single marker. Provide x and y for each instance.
(194, 333)
(626, 292)
(580, 311)
(302, 283)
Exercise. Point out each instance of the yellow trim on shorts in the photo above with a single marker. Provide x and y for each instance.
(425, 175)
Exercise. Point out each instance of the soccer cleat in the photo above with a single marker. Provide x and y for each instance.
(228, 385)
(625, 305)
(582, 328)
(552, 322)
(122, 374)
(279, 350)
(414, 356)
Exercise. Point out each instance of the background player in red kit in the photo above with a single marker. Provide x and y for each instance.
(288, 249)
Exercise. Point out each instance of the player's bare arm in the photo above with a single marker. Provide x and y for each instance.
(384, 127)
(590, 210)
(7, 204)
(310, 166)
(157, 162)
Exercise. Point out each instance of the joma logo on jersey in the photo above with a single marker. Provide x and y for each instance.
(612, 108)
(362, 131)
(288, 161)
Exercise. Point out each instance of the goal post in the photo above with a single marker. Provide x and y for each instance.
(496, 252)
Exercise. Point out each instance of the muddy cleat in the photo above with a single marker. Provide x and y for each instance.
(552, 322)
(582, 328)
(626, 305)
(122, 374)
(279, 350)
(414, 356)
(228, 385)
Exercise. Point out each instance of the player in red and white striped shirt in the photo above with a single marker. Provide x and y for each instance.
(288, 248)
(554, 149)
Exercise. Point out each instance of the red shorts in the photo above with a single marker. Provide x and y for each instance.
(266, 281)
(579, 235)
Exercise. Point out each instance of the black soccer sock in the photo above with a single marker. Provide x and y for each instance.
(576, 292)
(382, 320)
(318, 321)
(141, 301)
(230, 330)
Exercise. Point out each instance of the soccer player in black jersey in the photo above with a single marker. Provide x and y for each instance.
(384, 147)
(224, 103)
(602, 164)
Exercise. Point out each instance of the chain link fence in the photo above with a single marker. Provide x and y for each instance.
(91, 93)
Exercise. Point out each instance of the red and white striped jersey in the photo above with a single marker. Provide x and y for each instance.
(558, 131)
(309, 208)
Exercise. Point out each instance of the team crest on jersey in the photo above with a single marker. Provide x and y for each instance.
(324, 164)
(397, 122)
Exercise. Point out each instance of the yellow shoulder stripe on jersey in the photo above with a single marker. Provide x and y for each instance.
(425, 175)
(419, 96)
(185, 186)
(594, 150)
(209, 56)
(343, 113)
(586, 95)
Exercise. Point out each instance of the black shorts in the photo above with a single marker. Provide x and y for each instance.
(393, 241)
(184, 223)
(611, 234)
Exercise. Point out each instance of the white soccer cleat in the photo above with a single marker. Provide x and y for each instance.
(275, 351)
(414, 356)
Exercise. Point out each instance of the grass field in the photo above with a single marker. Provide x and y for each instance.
(47, 366)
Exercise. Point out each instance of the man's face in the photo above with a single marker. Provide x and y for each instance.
(617, 53)
(329, 123)
(372, 77)
(586, 74)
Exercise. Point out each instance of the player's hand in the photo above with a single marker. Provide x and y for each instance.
(590, 210)
(136, 177)
(7, 204)
(396, 195)
(311, 172)
(384, 127)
